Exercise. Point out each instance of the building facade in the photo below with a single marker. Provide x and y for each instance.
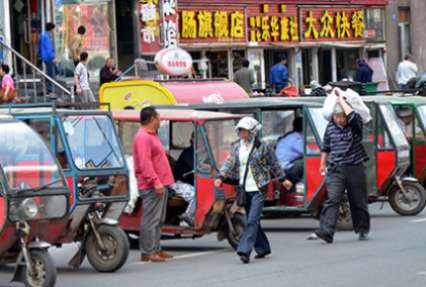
(405, 34)
(321, 39)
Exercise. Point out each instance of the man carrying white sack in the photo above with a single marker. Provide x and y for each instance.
(342, 160)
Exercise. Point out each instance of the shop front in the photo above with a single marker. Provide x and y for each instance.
(321, 42)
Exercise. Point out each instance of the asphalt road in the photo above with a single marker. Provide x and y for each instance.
(395, 255)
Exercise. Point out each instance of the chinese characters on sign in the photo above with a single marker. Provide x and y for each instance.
(154, 16)
(279, 23)
(338, 25)
(205, 24)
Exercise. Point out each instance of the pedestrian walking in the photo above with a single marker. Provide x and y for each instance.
(342, 159)
(407, 70)
(76, 45)
(47, 53)
(108, 72)
(154, 176)
(81, 78)
(278, 78)
(250, 164)
(364, 73)
(245, 77)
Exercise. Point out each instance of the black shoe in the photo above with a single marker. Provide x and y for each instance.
(244, 258)
(262, 255)
(363, 236)
(324, 236)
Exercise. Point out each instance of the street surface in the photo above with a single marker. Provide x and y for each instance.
(394, 256)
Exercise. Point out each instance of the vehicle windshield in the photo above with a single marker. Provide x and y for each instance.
(319, 121)
(422, 112)
(25, 159)
(93, 142)
(396, 133)
(220, 134)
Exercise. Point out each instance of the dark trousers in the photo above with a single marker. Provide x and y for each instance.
(153, 218)
(253, 235)
(352, 179)
(295, 172)
(51, 72)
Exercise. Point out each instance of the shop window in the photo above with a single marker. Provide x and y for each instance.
(238, 57)
(375, 24)
(404, 32)
(218, 63)
(98, 40)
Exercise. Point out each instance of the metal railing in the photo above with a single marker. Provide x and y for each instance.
(31, 80)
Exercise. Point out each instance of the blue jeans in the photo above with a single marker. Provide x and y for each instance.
(253, 235)
(51, 72)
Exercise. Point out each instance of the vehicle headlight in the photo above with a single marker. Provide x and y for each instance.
(28, 208)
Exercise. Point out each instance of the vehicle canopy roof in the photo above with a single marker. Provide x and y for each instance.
(401, 100)
(268, 103)
(175, 115)
(47, 111)
(190, 91)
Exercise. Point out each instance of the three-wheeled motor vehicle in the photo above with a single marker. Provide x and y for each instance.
(384, 142)
(32, 195)
(204, 137)
(87, 147)
(411, 112)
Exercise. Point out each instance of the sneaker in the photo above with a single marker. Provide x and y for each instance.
(324, 236)
(262, 255)
(363, 236)
(187, 220)
(312, 236)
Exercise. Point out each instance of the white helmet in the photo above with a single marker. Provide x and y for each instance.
(250, 124)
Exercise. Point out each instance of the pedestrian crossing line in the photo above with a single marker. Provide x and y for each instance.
(179, 257)
(418, 220)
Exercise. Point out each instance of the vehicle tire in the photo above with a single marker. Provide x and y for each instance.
(116, 245)
(45, 270)
(411, 205)
(344, 217)
(239, 223)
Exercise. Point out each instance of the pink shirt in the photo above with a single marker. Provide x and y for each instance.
(7, 81)
(150, 161)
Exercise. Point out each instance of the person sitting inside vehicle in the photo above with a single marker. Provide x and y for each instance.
(405, 121)
(182, 169)
(289, 152)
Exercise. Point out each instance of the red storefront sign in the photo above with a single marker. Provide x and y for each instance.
(269, 22)
(332, 24)
(158, 22)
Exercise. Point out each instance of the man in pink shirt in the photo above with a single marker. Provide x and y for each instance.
(154, 175)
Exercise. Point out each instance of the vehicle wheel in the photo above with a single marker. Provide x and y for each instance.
(344, 217)
(116, 249)
(239, 223)
(409, 205)
(45, 270)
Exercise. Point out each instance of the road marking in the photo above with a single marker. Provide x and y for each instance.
(418, 220)
(197, 254)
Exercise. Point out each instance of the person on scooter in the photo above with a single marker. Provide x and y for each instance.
(342, 159)
(289, 152)
(154, 176)
(250, 164)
